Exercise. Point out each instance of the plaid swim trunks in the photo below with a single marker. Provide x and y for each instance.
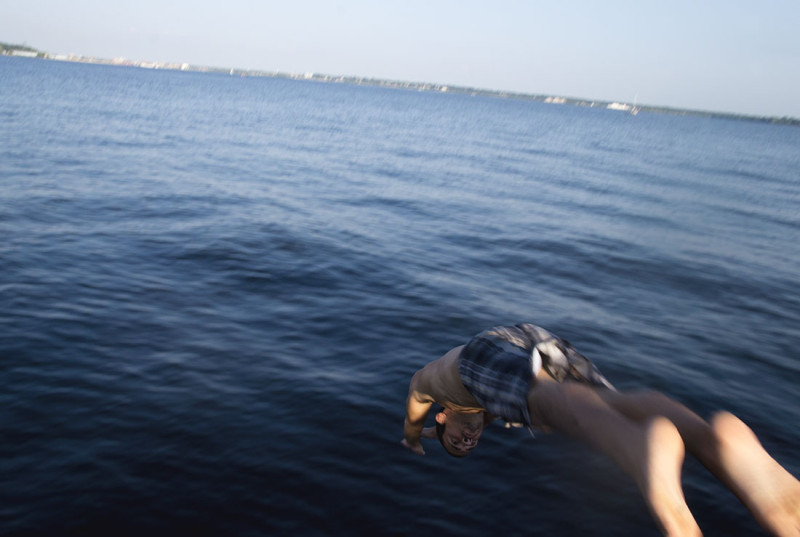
(498, 365)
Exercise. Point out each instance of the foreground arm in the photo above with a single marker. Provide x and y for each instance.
(417, 407)
(437, 382)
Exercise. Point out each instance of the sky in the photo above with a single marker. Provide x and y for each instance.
(739, 56)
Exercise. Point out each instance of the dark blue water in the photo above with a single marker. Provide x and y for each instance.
(214, 291)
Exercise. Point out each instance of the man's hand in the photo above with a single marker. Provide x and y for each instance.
(415, 448)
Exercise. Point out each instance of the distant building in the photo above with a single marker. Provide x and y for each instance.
(25, 53)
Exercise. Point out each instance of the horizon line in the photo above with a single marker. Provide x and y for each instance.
(24, 50)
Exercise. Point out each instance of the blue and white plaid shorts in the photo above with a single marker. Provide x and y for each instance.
(498, 366)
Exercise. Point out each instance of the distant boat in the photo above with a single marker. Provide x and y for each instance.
(624, 107)
(620, 106)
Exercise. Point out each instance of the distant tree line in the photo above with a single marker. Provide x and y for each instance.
(7, 48)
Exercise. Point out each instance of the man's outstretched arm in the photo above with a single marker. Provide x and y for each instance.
(417, 407)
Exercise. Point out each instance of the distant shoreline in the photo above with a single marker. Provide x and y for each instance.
(631, 108)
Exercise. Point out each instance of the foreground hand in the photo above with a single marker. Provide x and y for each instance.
(416, 448)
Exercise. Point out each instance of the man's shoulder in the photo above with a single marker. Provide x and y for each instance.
(438, 370)
(441, 382)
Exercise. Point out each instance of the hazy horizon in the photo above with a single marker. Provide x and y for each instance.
(737, 57)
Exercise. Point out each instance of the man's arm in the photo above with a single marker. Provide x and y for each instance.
(436, 382)
(417, 407)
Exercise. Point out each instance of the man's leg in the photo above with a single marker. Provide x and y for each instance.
(650, 452)
(731, 451)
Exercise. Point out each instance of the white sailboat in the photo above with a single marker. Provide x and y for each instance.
(634, 108)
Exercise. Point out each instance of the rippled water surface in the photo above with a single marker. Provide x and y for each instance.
(215, 290)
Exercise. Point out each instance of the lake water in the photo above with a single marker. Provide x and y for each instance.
(214, 291)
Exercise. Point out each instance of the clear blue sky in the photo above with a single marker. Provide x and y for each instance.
(724, 55)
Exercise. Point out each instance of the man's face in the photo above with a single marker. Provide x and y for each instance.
(462, 431)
